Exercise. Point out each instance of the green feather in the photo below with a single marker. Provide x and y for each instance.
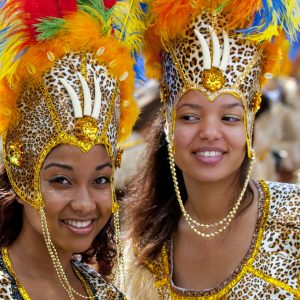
(48, 28)
(95, 8)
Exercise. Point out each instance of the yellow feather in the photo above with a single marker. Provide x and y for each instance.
(128, 19)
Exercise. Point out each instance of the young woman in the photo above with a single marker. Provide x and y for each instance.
(199, 227)
(66, 101)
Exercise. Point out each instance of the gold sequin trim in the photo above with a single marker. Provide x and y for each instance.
(273, 281)
(110, 109)
(182, 75)
(246, 268)
(9, 267)
(85, 284)
(248, 69)
(63, 138)
(18, 191)
(83, 63)
(51, 107)
(21, 289)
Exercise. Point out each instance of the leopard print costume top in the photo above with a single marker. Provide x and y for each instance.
(270, 269)
(96, 285)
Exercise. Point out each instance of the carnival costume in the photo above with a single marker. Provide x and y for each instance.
(224, 47)
(67, 77)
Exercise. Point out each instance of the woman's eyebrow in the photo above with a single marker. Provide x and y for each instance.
(234, 104)
(100, 167)
(189, 105)
(58, 165)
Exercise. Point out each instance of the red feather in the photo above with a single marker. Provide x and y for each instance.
(109, 3)
(37, 9)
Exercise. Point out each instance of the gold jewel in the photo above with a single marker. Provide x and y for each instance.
(86, 129)
(256, 101)
(15, 153)
(213, 79)
(119, 158)
(193, 223)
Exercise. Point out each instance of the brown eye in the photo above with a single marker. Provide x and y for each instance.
(60, 180)
(231, 118)
(102, 180)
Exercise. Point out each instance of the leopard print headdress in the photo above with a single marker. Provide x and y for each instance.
(67, 77)
(201, 46)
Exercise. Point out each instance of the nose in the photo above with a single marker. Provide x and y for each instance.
(83, 202)
(210, 129)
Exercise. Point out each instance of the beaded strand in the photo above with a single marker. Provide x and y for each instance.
(193, 223)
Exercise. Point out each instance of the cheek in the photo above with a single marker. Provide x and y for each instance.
(104, 202)
(238, 138)
(183, 137)
(56, 200)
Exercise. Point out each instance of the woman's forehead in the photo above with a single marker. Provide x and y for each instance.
(195, 97)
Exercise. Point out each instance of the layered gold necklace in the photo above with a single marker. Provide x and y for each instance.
(222, 224)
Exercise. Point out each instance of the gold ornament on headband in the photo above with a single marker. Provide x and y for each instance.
(256, 101)
(213, 78)
(119, 158)
(86, 129)
(15, 153)
(163, 92)
(86, 125)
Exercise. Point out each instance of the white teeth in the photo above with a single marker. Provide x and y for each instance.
(78, 224)
(209, 153)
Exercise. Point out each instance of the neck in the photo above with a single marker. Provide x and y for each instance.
(210, 202)
(30, 249)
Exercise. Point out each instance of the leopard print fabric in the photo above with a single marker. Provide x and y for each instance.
(100, 288)
(46, 111)
(183, 67)
(271, 268)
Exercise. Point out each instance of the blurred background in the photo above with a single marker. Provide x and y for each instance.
(276, 134)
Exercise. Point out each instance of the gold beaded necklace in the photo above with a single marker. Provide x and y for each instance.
(22, 290)
(193, 223)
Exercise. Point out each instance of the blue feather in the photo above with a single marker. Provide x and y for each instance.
(139, 69)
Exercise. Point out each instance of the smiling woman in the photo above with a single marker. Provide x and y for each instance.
(66, 85)
(198, 226)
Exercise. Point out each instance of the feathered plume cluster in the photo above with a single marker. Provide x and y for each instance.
(262, 21)
(33, 33)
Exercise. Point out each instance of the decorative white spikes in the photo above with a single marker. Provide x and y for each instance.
(217, 63)
(86, 96)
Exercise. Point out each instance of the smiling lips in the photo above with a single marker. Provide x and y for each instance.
(209, 156)
(79, 226)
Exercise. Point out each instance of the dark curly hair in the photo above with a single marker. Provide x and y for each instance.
(151, 209)
(103, 248)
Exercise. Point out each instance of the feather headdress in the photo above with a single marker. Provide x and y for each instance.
(217, 47)
(54, 55)
(35, 33)
(257, 20)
